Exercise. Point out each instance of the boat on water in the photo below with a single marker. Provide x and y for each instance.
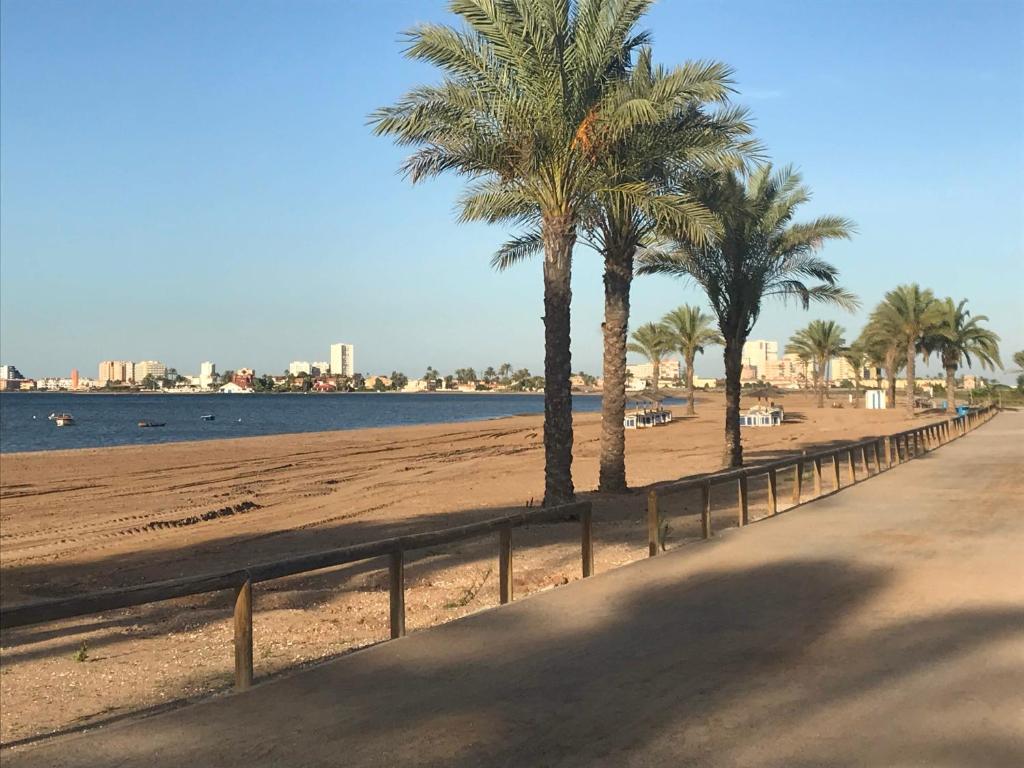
(208, 417)
(146, 424)
(62, 419)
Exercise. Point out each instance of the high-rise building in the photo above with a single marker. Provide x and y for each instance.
(207, 374)
(74, 378)
(10, 372)
(758, 353)
(343, 359)
(299, 366)
(320, 367)
(153, 368)
(116, 370)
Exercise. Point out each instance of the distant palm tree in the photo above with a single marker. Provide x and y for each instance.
(524, 83)
(957, 337)
(884, 349)
(760, 253)
(1018, 360)
(691, 330)
(909, 313)
(818, 343)
(858, 359)
(653, 342)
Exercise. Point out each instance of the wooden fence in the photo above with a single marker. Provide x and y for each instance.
(885, 452)
(895, 449)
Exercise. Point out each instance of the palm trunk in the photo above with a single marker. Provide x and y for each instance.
(951, 389)
(819, 384)
(559, 234)
(656, 366)
(618, 275)
(856, 388)
(891, 375)
(911, 355)
(733, 370)
(690, 410)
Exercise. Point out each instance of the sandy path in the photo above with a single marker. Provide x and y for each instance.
(77, 521)
(880, 626)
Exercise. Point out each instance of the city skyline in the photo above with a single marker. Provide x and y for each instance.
(240, 220)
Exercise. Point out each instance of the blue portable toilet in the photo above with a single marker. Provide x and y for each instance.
(961, 410)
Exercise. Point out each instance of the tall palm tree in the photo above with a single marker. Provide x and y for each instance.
(760, 252)
(910, 313)
(857, 358)
(1018, 360)
(958, 337)
(818, 343)
(523, 83)
(648, 178)
(691, 330)
(653, 341)
(884, 349)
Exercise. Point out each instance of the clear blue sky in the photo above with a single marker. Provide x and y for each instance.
(195, 180)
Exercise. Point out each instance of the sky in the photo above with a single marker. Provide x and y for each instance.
(189, 181)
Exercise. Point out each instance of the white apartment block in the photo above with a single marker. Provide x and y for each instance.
(116, 370)
(295, 367)
(319, 367)
(153, 368)
(669, 370)
(343, 359)
(207, 374)
(758, 353)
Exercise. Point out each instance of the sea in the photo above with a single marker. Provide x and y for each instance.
(103, 420)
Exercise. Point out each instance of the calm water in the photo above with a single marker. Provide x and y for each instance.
(103, 420)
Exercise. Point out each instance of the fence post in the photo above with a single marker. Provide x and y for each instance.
(887, 449)
(505, 564)
(798, 482)
(705, 513)
(817, 477)
(742, 515)
(773, 496)
(853, 467)
(864, 460)
(835, 471)
(652, 523)
(243, 636)
(587, 543)
(397, 570)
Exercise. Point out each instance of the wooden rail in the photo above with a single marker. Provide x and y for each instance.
(241, 581)
(912, 442)
(886, 452)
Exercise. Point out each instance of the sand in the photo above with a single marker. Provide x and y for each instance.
(78, 521)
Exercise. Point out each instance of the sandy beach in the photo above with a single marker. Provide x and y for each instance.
(79, 521)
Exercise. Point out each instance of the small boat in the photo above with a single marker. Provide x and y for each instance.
(208, 417)
(152, 423)
(62, 419)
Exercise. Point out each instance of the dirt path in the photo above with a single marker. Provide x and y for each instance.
(880, 626)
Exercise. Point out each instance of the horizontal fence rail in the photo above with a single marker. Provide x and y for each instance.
(889, 450)
(884, 452)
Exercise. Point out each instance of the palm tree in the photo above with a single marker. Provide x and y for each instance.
(1018, 360)
(857, 358)
(691, 330)
(818, 343)
(909, 313)
(884, 349)
(957, 337)
(759, 253)
(523, 84)
(648, 175)
(653, 342)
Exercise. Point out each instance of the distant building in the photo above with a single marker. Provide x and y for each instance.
(10, 372)
(840, 369)
(299, 366)
(153, 368)
(973, 382)
(669, 370)
(75, 380)
(116, 370)
(234, 388)
(343, 359)
(243, 378)
(758, 353)
(320, 367)
(207, 374)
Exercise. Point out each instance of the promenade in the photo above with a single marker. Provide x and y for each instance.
(881, 626)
